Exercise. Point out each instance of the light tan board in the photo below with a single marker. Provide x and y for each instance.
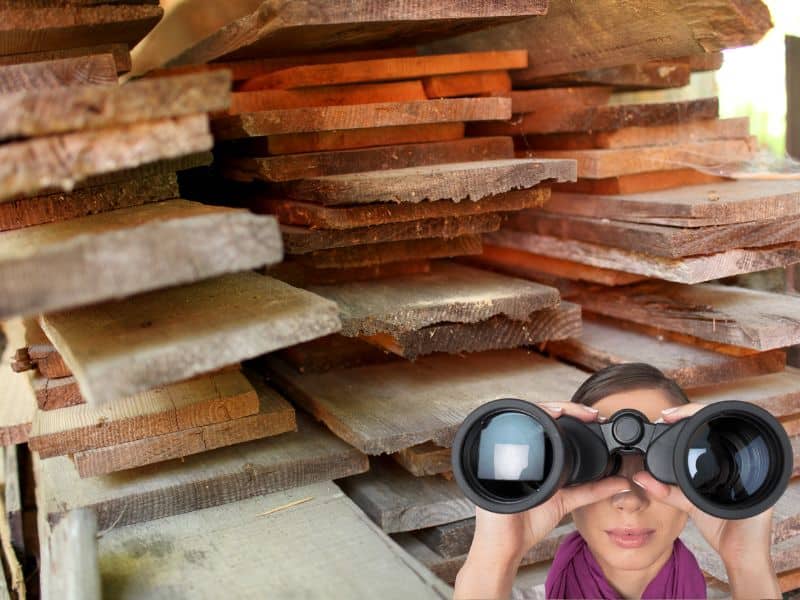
(182, 331)
(198, 402)
(96, 69)
(60, 162)
(779, 393)
(61, 265)
(223, 551)
(315, 25)
(386, 408)
(691, 269)
(51, 111)
(201, 481)
(455, 181)
(448, 293)
(424, 459)
(17, 400)
(726, 314)
(694, 206)
(358, 116)
(120, 52)
(603, 34)
(275, 416)
(398, 501)
(603, 343)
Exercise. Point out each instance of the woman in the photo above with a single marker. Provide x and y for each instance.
(626, 544)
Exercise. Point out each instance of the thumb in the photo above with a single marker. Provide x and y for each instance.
(586, 493)
(668, 494)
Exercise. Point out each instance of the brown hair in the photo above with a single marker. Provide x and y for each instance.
(623, 378)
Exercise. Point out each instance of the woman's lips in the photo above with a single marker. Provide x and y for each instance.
(628, 537)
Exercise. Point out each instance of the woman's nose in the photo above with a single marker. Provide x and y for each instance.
(636, 498)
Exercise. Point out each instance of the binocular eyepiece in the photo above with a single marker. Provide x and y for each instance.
(731, 459)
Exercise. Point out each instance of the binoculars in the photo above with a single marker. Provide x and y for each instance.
(731, 459)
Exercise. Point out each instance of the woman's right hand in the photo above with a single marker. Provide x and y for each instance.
(500, 541)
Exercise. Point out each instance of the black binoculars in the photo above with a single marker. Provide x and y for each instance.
(731, 459)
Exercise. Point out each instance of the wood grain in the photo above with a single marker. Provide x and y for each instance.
(776, 392)
(424, 459)
(120, 52)
(96, 69)
(640, 182)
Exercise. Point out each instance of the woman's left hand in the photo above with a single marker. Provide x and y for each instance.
(743, 544)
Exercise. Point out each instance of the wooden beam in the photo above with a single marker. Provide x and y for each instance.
(319, 164)
(691, 269)
(776, 392)
(17, 406)
(457, 181)
(603, 343)
(86, 107)
(731, 315)
(483, 83)
(95, 69)
(356, 116)
(72, 571)
(60, 162)
(398, 501)
(360, 404)
(546, 99)
(316, 25)
(181, 331)
(298, 275)
(199, 481)
(656, 74)
(449, 293)
(640, 182)
(120, 52)
(605, 35)
(333, 352)
(61, 265)
(424, 459)
(696, 206)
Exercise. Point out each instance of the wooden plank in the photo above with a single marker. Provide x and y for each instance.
(351, 139)
(200, 481)
(52, 394)
(634, 137)
(449, 293)
(398, 501)
(315, 216)
(181, 331)
(316, 25)
(201, 401)
(319, 164)
(599, 164)
(606, 36)
(302, 240)
(602, 343)
(63, 206)
(482, 83)
(396, 91)
(59, 110)
(697, 206)
(57, 27)
(333, 352)
(792, 96)
(17, 406)
(300, 275)
(72, 571)
(61, 265)
(120, 52)
(387, 69)
(777, 392)
(527, 265)
(727, 314)
(389, 252)
(690, 269)
(454, 181)
(569, 118)
(59, 162)
(356, 116)
(275, 416)
(495, 333)
(424, 459)
(38, 352)
(659, 240)
(528, 101)
(640, 182)
(97, 69)
(357, 560)
(360, 404)
(656, 74)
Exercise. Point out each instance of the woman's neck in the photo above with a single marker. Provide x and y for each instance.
(631, 583)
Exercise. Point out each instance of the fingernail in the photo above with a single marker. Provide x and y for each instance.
(623, 491)
(667, 411)
(594, 411)
(639, 484)
(602, 419)
(659, 420)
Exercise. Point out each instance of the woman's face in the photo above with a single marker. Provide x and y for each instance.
(629, 530)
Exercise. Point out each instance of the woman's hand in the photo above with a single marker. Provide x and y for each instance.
(500, 541)
(742, 544)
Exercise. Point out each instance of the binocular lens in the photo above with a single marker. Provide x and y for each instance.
(512, 457)
(731, 461)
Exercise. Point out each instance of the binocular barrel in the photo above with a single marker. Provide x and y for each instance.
(731, 459)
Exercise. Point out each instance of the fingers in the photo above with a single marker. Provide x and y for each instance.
(587, 493)
(668, 494)
(573, 409)
(676, 413)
